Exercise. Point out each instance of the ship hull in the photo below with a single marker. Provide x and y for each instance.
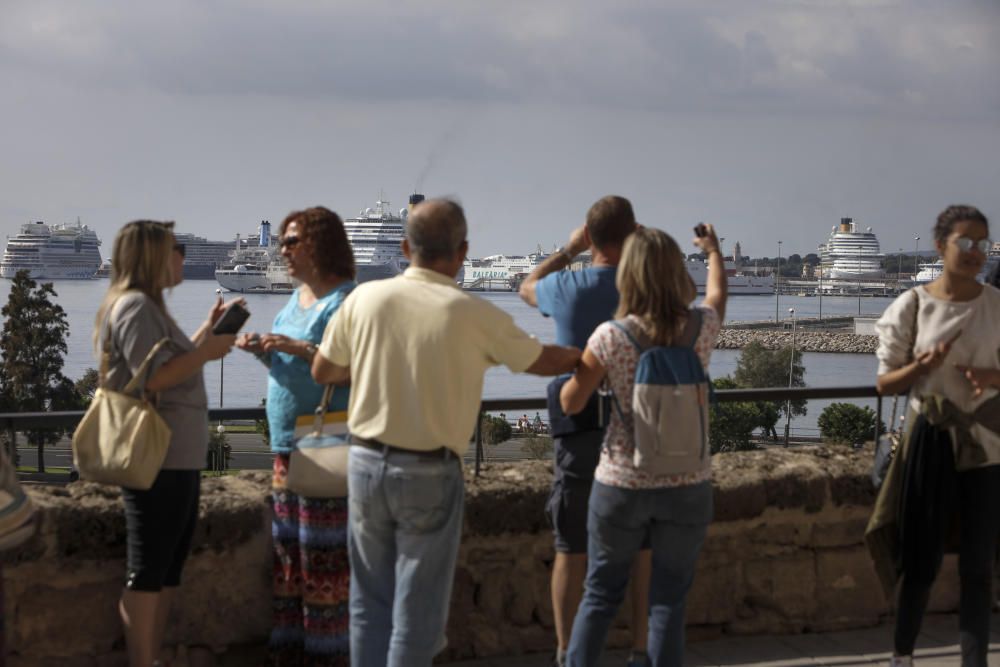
(50, 272)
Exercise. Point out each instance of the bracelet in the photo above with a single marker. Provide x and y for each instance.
(311, 349)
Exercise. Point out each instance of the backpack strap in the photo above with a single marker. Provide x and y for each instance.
(621, 325)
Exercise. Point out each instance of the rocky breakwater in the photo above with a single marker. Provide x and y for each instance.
(807, 341)
(784, 554)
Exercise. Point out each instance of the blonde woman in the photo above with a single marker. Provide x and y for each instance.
(627, 502)
(160, 521)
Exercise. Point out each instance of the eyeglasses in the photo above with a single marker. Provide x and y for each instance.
(965, 244)
(180, 247)
(290, 242)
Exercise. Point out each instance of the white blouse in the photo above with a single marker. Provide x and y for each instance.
(938, 321)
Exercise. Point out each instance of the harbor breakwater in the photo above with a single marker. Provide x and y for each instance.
(807, 341)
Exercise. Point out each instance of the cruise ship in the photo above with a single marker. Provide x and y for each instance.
(376, 237)
(737, 282)
(201, 256)
(932, 270)
(52, 252)
(851, 254)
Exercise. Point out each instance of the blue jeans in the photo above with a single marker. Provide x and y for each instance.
(618, 520)
(405, 519)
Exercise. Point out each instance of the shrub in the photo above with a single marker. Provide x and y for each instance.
(495, 429)
(847, 423)
(537, 446)
(731, 425)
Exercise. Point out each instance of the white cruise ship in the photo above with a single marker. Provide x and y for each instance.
(932, 270)
(376, 236)
(737, 282)
(851, 254)
(52, 252)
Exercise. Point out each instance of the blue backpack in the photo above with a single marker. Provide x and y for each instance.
(669, 416)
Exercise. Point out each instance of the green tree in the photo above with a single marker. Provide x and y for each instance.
(495, 429)
(847, 423)
(86, 386)
(758, 367)
(731, 425)
(32, 345)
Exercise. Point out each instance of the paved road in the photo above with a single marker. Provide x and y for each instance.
(937, 647)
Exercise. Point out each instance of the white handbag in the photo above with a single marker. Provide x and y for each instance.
(122, 440)
(317, 467)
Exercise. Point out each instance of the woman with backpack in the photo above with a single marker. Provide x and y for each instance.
(941, 343)
(638, 491)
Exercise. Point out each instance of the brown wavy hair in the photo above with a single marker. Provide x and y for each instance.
(325, 240)
(955, 214)
(654, 284)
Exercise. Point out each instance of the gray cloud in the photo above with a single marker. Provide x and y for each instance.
(899, 57)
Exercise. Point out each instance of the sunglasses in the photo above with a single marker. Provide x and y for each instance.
(290, 242)
(965, 244)
(180, 247)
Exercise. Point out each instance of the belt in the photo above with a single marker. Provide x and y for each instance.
(441, 453)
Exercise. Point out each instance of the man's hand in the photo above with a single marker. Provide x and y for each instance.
(578, 241)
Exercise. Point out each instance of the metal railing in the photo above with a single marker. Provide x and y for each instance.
(14, 422)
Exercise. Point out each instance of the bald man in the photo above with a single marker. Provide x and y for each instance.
(415, 349)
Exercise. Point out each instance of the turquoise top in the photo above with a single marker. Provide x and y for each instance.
(291, 391)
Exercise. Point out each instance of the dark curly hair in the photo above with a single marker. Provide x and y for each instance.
(954, 214)
(325, 240)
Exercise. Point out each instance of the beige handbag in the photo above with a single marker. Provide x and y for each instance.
(17, 513)
(317, 467)
(122, 440)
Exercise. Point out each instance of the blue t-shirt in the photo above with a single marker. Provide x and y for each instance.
(578, 301)
(291, 391)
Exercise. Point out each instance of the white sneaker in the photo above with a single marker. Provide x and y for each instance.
(901, 661)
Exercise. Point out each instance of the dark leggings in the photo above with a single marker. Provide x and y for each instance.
(978, 499)
(159, 524)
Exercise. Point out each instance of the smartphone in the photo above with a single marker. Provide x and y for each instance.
(700, 230)
(232, 320)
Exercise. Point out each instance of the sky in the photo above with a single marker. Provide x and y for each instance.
(771, 120)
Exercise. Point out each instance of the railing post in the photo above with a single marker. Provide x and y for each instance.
(878, 419)
(479, 441)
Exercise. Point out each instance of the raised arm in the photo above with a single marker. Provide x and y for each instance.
(579, 241)
(555, 360)
(716, 286)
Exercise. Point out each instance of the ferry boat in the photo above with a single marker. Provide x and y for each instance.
(737, 281)
(851, 254)
(932, 270)
(52, 252)
(256, 266)
(499, 273)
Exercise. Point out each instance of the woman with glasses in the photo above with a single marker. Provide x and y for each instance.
(311, 574)
(941, 343)
(160, 521)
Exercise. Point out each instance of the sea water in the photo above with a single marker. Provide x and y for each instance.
(244, 380)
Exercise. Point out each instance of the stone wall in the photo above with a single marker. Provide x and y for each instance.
(807, 341)
(784, 554)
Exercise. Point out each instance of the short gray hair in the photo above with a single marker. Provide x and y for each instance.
(436, 229)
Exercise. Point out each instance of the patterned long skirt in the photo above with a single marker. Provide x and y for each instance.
(311, 577)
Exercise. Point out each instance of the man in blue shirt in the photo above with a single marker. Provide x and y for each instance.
(579, 301)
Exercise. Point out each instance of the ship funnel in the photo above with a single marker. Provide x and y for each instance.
(414, 200)
(265, 234)
(845, 224)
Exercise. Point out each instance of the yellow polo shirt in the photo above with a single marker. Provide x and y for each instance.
(418, 347)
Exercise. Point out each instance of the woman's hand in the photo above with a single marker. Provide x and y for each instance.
(219, 307)
(215, 347)
(249, 342)
(981, 379)
(708, 243)
(277, 343)
(933, 358)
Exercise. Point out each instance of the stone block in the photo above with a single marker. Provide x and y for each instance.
(848, 592)
(785, 586)
(716, 593)
(839, 530)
